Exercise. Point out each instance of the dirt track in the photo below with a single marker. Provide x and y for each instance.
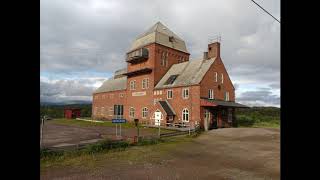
(231, 153)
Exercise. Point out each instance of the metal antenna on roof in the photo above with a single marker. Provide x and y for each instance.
(214, 39)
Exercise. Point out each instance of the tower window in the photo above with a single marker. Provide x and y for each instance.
(145, 83)
(211, 95)
(132, 85)
(221, 78)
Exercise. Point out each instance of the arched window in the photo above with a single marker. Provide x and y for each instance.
(185, 115)
(131, 112)
(144, 112)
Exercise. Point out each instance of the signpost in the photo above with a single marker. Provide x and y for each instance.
(118, 121)
(157, 116)
(136, 121)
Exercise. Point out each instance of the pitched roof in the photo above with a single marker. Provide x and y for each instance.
(113, 85)
(160, 34)
(189, 73)
(167, 108)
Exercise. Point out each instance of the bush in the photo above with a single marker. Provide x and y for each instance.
(106, 145)
(243, 120)
(149, 141)
(46, 153)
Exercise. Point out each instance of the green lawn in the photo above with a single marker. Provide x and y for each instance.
(87, 123)
(73, 122)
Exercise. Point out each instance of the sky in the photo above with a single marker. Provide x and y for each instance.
(82, 42)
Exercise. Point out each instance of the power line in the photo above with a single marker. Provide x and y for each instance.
(265, 11)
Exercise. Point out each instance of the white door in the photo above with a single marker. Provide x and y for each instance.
(157, 118)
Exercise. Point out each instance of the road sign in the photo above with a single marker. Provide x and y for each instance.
(119, 120)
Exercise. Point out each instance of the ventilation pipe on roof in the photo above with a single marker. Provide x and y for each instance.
(205, 55)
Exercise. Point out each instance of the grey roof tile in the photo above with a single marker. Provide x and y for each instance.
(189, 73)
(160, 34)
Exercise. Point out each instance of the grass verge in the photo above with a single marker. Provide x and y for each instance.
(94, 155)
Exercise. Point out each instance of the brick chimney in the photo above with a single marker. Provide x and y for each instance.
(214, 50)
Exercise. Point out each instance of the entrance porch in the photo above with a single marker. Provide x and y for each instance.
(217, 113)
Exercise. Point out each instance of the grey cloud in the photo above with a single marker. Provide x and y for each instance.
(263, 97)
(83, 36)
(62, 90)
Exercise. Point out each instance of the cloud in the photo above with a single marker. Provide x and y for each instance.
(262, 97)
(82, 36)
(66, 90)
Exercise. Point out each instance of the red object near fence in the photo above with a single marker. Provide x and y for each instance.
(72, 113)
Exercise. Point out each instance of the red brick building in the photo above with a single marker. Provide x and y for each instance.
(160, 78)
(72, 113)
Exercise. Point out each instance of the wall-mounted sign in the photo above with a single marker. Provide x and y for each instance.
(142, 93)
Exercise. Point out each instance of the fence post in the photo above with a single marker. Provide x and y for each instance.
(41, 132)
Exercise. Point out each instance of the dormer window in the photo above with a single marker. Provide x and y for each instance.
(171, 79)
(171, 38)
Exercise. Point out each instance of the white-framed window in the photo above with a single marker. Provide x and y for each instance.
(111, 96)
(110, 111)
(215, 76)
(102, 110)
(144, 112)
(154, 92)
(226, 96)
(185, 115)
(145, 83)
(133, 85)
(118, 111)
(221, 78)
(169, 94)
(211, 94)
(131, 112)
(185, 93)
(160, 92)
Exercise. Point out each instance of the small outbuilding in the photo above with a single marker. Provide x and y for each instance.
(72, 113)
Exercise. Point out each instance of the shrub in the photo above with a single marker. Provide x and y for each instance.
(149, 141)
(46, 153)
(106, 145)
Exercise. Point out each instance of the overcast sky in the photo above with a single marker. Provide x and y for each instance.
(82, 42)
